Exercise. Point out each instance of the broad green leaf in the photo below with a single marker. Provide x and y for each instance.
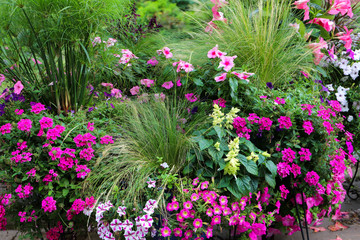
(234, 189)
(198, 82)
(261, 159)
(209, 163)
(215, 154)
(254, 185)
(205, 143)
(225, 181)
(220, 131)
(65, 192)
(272, 167)
(270, 180)
(234, 84)
(251, 167)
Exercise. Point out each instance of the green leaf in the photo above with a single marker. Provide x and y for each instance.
(261, 159)
(222, 164)
(225, 181)
(65, 192)
(198, 82)
(251, 167)
(233, 84)
(272, 167)
(220, 131)
(205, 143)
(234, 189)
(270, 180)
(209, 163)
(302, 28)
(254, 185)
(215, 154)
(250, 145)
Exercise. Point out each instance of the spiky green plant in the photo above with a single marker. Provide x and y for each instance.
(148, 131)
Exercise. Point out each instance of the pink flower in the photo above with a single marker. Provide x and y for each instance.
(182, 65)
(168, 85)
(90, 126)
(191, 97)
(295, 169)
(134, 90)
(335, 105)
(106, 140)
(316, 47)
(178, 82)
(227, 62)
(204, 185)
(243, 75)
(214, 53)
(188, 205)
(48, 204)
(166, 52)
(265, 124)
(305, 154)
(279, 100)
(87, 154)
(197, 223)
(324, 22)
(283, 169)
(220, 3)
(177, 232)
(288, 155)
(18, 87)
(165, 231)
(110, 85)
(46, 122)
(210, 27)
(96, 41)
(328, 127)
(307, 107)
(147, 82)
(284, 122)
(25, 125)
(346, 37)
(116, 93)
(302, 4)
(312, 178)
(37, 108)
(220, 102)
(82, 171)
(258, 229)
(2, 79)
(159, 97)
(284, 191)
(308, 127)
(221, 78)
(341, 6)
(152, 61)
(19, 111)
(216, 220)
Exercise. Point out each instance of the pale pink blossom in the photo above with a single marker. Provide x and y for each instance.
(210, 27)
(220, 3)
(168, 85)
(316, 48)
(243, 75)
(214, 53)
(116, 93)
(166, 52)
(134, 90)
(110, 85)
(96, 41)
(221, 78)
(147, 82)
(18, 87)
(227, 62)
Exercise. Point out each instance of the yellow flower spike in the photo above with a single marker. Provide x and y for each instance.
(217, 116)
(217, 146)
(230, 118)
(265, 154)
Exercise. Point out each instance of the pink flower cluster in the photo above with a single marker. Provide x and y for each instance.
(6, 128)
(221, 102)
(239, 125)
(25, 125)
(37, 108)
(48, 204)
(219, 211)
(79, 206)
(182, 65)
(24, 192)
(31, 217)
(106, 140)
(84, 140)
(55, 232)
(127, 55)
(284, 122)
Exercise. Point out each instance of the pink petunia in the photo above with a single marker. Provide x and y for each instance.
(324, 22)
(135, 90)
(18, 87)
(191, 97)
(168, 85)
(221, 78)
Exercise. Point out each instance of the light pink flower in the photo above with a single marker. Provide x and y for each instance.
(152, 61)
(227, 62)
(316, 47)
(116, 93)
(147, 82)
(18, 87)
(2, 78)
(220, 3)
(96, 41)
(191, 97)
(166, 52)
(214, 52)
(243, 75)
(221, 78)
(210, 27)
(134, 90)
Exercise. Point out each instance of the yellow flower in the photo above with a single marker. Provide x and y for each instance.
(230, 118)
(217, 146)
(217, 116)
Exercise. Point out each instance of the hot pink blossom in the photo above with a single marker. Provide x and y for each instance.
(152, 61)
(116, 93)
(302, 4)
(106, 140)
(308, 127)
(312, 178)
(18, 87)
(346, 37)
(48, 204)
(214, 53)
(220, 102)
(168, 85)
(134, 90)
(191, 97)
(324, 22)
(341, 6)
(166, 52)
(6, 128)
(284, 122)
(25, 125)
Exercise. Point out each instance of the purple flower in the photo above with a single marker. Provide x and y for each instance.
(270, 85)
(91, 109)
(112, 105)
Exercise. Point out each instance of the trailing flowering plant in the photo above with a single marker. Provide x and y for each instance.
(43, 160)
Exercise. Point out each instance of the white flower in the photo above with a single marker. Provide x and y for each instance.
(344, 107)
(164, 165)
(116, 225)
(342, 90)
(121, 210)
(341, 97)
(350, 118)
(151, 183)
(356, 105)
(330, 87)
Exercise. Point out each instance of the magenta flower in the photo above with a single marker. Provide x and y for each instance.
(220, 102)
(302, 4)
(168, 85)
(197, 223)
(204, 185)
(48, 204)
(214, 53)
(328, 127)
(324, 22)
(90, 126)
(308, 127)
(19, 111)
(288, 155)
(305, 154)
(216, 220)
(283, 169)
(265, 124)
(46, 122)
(279, 100)
(152, 61)
(110, 85)
(18, 87)
(25, 125)
(165, 231)
(312, 178)
(295, 169)
(106, 140)
(341, 6)
(284, 191)
(284, 122)
(177, 232)
(191, 97)
(116, 93)
(188, 205)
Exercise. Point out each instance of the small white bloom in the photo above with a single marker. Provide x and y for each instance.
(344, 107)
(164, 165)
(330, 87)
(356, 105)
(350, 118)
